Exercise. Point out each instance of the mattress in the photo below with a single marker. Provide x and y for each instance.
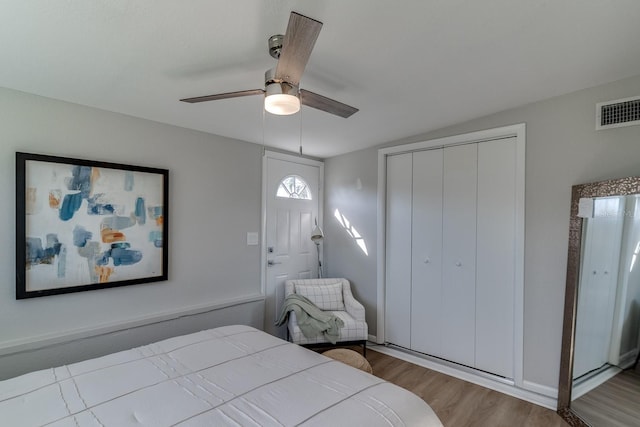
(229, 376)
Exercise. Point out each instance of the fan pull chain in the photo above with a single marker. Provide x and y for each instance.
(300, 112)
(264, 151)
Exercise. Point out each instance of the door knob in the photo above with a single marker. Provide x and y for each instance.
(271, 263)
(458, 263)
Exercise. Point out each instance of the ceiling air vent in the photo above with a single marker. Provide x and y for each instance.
(618, 113)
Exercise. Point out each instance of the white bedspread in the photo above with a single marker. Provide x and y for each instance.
(229, 376)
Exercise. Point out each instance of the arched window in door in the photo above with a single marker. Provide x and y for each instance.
(293, 187)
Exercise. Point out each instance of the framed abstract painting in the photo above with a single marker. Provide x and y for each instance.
(83, 225)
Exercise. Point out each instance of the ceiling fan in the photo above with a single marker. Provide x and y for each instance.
(282, 93)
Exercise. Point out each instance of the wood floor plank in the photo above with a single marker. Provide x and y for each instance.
(459, 403)
(616, 403)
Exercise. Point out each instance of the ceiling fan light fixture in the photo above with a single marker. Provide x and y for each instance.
(282, 104)
(281, 99)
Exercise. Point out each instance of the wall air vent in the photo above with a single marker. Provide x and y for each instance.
(618, 113)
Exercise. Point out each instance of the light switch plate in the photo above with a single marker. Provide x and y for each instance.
(252, 238)
(585, 207)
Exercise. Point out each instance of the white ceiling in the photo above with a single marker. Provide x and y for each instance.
(409, 66)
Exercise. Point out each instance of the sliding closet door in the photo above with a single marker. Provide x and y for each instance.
(398, 250)
(459, 254)
(496, 251)
(426, 271)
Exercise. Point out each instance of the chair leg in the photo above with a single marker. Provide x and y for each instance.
(364, 349)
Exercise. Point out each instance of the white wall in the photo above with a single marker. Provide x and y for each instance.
(563, 149)
(215, 191)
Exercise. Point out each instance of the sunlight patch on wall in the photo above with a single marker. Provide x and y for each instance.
(351, 231)
(634, 257)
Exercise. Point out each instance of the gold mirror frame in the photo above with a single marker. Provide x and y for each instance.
(613, 187)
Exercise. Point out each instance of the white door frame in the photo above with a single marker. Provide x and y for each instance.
(518, 131)
(263, 241)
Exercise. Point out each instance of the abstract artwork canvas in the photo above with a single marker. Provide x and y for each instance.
(84, 225)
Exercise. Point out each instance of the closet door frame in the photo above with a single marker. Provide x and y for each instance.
(518, 131)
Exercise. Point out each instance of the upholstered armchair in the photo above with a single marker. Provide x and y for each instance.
(332, 295)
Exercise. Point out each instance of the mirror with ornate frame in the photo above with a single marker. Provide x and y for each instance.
(604, 241)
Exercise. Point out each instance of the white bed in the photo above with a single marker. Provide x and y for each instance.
(234, 375)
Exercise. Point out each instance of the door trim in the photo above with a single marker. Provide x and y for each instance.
(518, 131)
(267, 154)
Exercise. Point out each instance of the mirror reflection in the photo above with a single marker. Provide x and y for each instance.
(606, 385)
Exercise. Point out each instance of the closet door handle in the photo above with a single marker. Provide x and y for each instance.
(458, 263)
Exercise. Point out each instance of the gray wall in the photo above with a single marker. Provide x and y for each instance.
(37, 356)
(351, 187)
(215, 193)
(563, 149)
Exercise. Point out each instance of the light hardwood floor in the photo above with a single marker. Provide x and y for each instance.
(459, 403)
(615, 403)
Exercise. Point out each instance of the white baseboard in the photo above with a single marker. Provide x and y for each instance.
(544, 390)
(628, 359)
(372, 339)
(544, 396)
(585, 386)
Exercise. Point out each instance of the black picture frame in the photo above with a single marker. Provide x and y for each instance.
(83, 225)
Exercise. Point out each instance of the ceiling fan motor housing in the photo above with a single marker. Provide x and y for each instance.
(275, 86)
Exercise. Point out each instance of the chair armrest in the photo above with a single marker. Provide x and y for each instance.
(292, 319)
(351, 305)
(289, 288)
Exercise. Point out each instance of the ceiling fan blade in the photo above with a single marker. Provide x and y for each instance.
(329, 105)
(223, 96)
(302, 33)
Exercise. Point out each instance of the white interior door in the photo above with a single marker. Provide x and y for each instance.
(496, 256)
(292, 198)
(459, 253)
(426, 242)
(398, 262)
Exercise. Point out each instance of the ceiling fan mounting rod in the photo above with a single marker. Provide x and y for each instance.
(275, 45)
